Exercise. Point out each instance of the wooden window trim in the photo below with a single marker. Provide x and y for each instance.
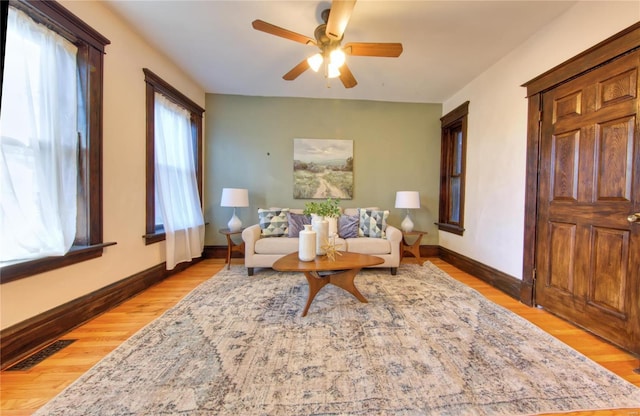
(91, 48)
(456, 119)
(157, 84)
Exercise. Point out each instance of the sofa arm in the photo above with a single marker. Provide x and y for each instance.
(250, 235)
(394, 236)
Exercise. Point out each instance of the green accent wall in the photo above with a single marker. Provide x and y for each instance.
(249, 144)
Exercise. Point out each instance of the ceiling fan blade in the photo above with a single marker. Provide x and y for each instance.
(390, 50)
(263, 26)
(339, 17)
(347, 78)
(296, 71)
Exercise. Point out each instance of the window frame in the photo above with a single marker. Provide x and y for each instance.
(91, 49)
(155, 84)
(452, 123)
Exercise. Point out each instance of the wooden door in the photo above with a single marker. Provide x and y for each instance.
(588, 250)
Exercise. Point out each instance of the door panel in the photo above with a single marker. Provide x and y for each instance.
(587, 260)
(565, 166)
(614, 154)
(563, 240)
(610, 250)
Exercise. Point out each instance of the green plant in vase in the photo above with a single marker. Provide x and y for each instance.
(325, 221)
(325, 209)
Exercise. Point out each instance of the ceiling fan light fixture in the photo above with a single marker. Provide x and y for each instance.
(315, 61)
(328, 39)
(332, 71)
(337, 57)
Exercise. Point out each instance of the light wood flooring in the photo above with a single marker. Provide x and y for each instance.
(22, 392)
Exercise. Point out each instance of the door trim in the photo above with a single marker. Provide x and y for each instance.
(628, 40)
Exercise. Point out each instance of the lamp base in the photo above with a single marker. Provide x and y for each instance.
(407, 224)
(234, 223)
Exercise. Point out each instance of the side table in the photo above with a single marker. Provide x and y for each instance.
(413, 248)
(231, 245)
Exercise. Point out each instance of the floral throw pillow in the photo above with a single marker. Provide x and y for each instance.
(373, 223)
(273, 222)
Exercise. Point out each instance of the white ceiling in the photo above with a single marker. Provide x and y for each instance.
(446, 43)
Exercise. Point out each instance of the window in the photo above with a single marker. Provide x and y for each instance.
(172, 107)
(50, 139)
(452, 170)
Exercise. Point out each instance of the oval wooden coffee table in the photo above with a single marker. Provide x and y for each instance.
(319, 272)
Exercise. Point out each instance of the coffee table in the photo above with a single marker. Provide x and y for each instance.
(320, 272)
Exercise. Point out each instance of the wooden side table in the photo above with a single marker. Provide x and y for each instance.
(231, 245)
(413, 248)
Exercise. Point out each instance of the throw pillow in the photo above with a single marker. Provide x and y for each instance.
(273, 222)
(296, 223)
(348, 226)
(373, 223)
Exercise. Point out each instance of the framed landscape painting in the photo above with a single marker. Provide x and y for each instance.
(322, 168)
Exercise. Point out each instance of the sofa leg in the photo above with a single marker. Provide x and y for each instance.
(249, 271)
(394, 271)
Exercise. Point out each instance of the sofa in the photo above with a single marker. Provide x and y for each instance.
(275, 236)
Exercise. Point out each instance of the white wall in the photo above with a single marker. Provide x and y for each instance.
(123, 170)
(497, 130)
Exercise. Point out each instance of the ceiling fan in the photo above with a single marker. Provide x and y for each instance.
(328, 38)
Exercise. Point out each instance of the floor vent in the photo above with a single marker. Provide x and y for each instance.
(41, 355)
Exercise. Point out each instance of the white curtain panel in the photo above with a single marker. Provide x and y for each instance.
(38, 142)
(176, 185)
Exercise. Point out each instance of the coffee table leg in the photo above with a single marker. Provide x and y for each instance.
(316, 283)
(343, 280)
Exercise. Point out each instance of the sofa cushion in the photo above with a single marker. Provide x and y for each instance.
(276, 245)
(296, 223)
(348, 226)
(287, 245)
(273, 222)
(365, 245)
(373, 223)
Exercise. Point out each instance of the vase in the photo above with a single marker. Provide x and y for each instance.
(307, 244)
(333, 225)
(321, 227)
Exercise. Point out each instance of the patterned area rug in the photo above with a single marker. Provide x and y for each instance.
(424, 344)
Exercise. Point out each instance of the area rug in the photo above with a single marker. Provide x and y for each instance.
(424, 344)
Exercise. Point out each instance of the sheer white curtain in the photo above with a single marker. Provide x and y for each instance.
(176, 185)
(38, 142)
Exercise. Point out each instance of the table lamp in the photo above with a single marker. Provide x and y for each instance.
(234, 197)
(408, 200)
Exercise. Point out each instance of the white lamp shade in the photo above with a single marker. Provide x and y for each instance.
(234, 197)
(315, 61)
(408, 199)
(337, 57)
(332, 71)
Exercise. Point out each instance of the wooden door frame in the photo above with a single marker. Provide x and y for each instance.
(617, 45)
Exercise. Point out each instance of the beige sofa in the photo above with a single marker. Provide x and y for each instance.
(262, 252)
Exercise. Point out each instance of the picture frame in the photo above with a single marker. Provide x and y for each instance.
(322, 168)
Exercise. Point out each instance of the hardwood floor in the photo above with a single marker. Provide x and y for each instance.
(22, 392)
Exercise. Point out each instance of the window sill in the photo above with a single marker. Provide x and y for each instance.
(29, 268)
(450, 228)
(158, 235)
(154, 238)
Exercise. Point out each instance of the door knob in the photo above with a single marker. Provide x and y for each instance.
(634, 217)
